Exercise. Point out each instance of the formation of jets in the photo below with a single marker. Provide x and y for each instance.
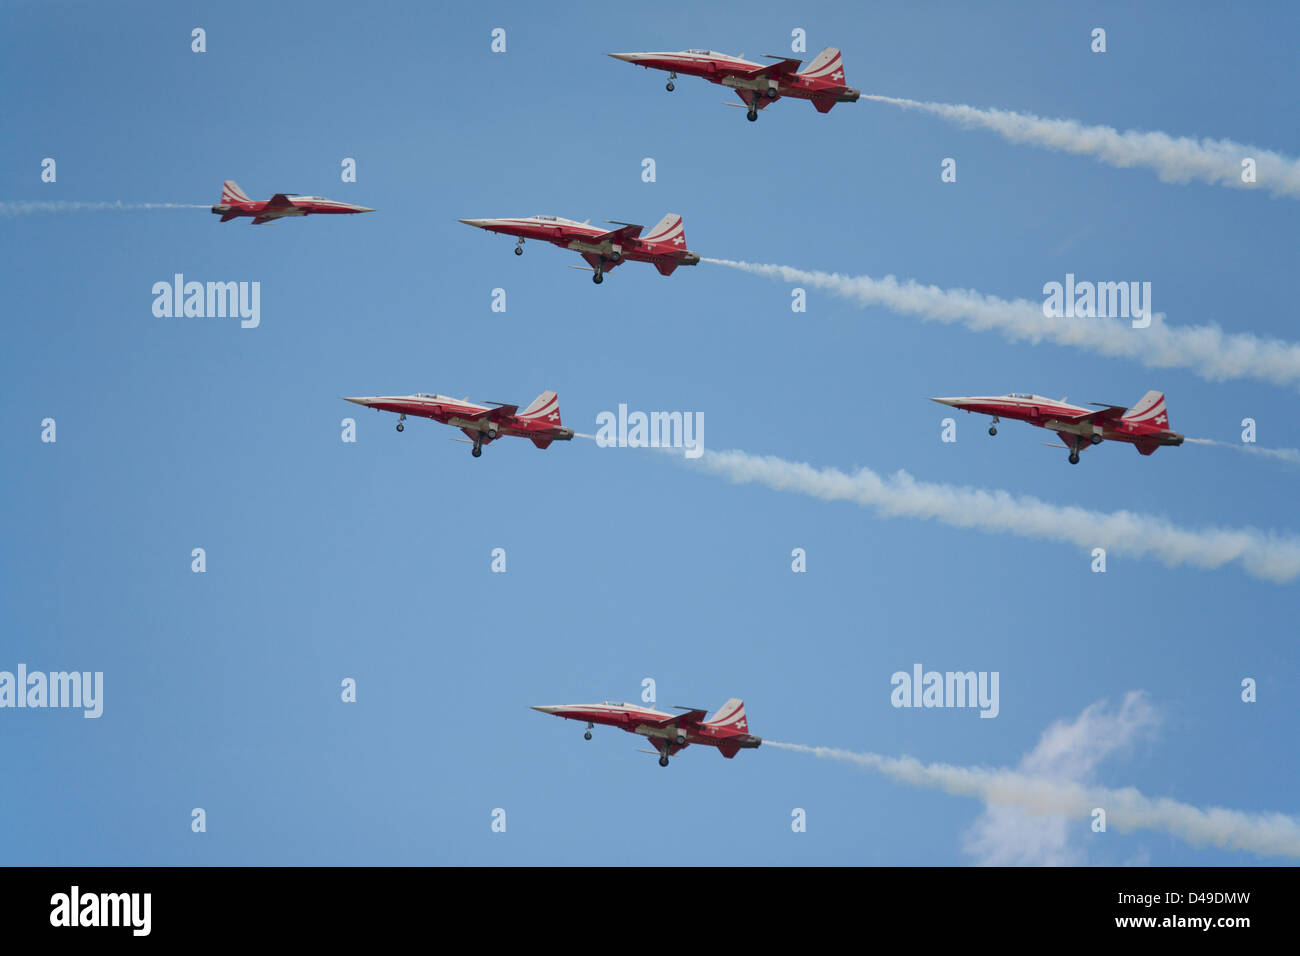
(235, 203)
(484, 424)
(757, 84)
(728, 731)
(1145, 425)
(664, 246)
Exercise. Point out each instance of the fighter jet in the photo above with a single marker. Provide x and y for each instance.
(1145, 425)
(669, 733)
(757, 84)
(603, 249)
(235, 202)
(484, 424)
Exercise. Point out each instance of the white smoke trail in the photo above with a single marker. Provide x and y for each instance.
(10, 209)
(1268, 834)
(1180, 159)
(1204, 349)
(1266, 555)
(1289, 455)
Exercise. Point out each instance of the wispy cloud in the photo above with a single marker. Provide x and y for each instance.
(1266, 555)
(1068, 751)
(1206, 350)
(1175, 159)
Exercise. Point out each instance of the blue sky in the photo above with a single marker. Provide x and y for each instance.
(371, 560)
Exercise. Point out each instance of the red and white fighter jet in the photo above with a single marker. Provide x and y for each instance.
(757, 84)
(665, 246)
(669, 733)
(484, 424)
(235, 202)
(1145, 425)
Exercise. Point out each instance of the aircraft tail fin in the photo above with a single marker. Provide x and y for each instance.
(231, 193)
(828, 63)
(730, 716)
(546, 407)
(670, 229)
(1150, 410)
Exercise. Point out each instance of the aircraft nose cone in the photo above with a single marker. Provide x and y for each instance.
(479, 223)
(954, 402)
(359, 401)
(546, 708)
(625, 57)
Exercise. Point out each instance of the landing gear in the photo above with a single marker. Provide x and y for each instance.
(1096, 439)
(400, 426)
(587, 735)
(681, 740)
(477, 449)
(492, 434)
(598, 278)
(993, 426)
(616, 256)
(771, 92)
(670, 87)
(663, 760)
(1074, 457)
(519, 247)
(752, 115)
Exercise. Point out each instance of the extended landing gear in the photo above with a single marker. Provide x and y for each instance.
(681, 740)
(1096, 439)
(993, 428)
(616, 256)
(519, 247)
(1074, 457)
(663, 760)
(670, 87)
(752, 115)
(400, 426)
(587, 735)
(771, 92)
(598, 277)
(477, 449)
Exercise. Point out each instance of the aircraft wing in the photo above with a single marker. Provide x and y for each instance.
(784, 67)
(279, 201)
(692, 716)
(499, 414)
(1106, 412)
(625, 231)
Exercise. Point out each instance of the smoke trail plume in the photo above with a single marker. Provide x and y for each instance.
(1204, 349)
(1179, 159)
(1268, 834)
(23, 208)
(1266, 555)
(1289, 455)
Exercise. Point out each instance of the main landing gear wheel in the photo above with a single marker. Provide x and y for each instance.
(1074, 457)
(587, 735)
(752, 114)
(400, 426)
(616, 256)
(670, 86)
(492, 434)
(663, 760)
(771, 92)
(1096, 439)
(681, 740)
(519, 250)
(598, 278)
(476, 450)
(993, 429)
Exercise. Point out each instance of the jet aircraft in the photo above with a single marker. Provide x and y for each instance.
(235, 202)
(1145, 425)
